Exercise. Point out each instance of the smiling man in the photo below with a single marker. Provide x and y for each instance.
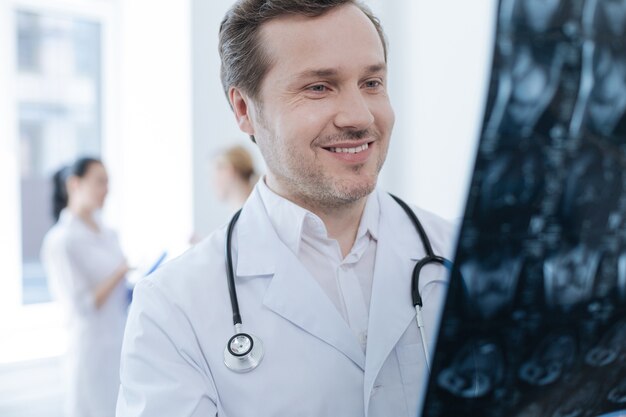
(321, 259)
(322, 116)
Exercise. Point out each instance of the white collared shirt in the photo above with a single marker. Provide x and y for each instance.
(346, 281)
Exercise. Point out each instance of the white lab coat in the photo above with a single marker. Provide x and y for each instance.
(76, 259)
(181, 320)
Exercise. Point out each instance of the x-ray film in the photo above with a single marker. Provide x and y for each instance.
(535, 319)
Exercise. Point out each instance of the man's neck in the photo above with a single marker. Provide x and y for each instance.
(342, 222)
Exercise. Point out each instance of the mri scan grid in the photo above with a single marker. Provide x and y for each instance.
(535, 320)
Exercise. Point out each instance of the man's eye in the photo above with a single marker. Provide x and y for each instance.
(320, 88)
(373, 84)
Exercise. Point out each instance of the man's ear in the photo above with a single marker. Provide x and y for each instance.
(241, 106)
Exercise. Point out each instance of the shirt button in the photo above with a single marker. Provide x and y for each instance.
(363, 338)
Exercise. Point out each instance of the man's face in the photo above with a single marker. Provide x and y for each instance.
(323, 118)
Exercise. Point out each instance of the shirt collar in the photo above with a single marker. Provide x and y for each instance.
(292, 221)
(371, 217)
(68, 217)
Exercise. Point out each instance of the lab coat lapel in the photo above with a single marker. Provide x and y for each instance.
(293, 293)
(391, 309)
(296, 296)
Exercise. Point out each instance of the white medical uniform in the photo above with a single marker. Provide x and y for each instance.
(314, 363)
(76, 259)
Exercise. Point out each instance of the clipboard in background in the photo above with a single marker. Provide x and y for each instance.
(138, 274)
(156, 264)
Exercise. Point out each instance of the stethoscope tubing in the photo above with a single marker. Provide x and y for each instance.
(230, 275)
(430, 258)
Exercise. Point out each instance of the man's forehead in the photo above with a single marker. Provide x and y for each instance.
(296, 20)
(308, 41)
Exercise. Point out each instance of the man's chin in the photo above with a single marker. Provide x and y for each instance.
(355, 190)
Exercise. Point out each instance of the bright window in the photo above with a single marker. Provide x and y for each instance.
(59, 85)
(58, 99)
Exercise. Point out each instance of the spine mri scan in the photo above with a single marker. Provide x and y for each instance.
(535, 320)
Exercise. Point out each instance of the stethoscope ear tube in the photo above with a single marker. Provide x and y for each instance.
(428, 259)
(420, 326)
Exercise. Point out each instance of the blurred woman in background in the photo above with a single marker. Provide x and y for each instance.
(86, 272)
(234, 176)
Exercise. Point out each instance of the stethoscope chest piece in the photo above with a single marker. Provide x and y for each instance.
(243, 352)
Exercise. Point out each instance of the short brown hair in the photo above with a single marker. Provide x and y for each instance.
(244, 62)
(241, 161)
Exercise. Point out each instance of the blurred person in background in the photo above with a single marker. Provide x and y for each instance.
(234, 176)
(233, 179)
(86, 272)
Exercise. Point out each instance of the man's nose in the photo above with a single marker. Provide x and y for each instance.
(353, 111)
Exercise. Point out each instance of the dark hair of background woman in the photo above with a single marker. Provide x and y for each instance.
(59, 180)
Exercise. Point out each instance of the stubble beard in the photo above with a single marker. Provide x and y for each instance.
(315, 189)
(306, 184)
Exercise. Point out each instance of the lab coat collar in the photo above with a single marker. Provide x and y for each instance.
(391, 308)
(67, 217)
(255, 248)
(287, 218)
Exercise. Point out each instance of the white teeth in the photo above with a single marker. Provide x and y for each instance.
(350, 150)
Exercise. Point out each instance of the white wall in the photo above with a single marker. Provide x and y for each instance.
(439, 61)
(213, 123)
(151, 188)
(35, 331)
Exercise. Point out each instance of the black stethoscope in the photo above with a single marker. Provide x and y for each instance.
(244, 351)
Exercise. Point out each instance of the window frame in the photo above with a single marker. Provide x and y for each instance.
(36, 330)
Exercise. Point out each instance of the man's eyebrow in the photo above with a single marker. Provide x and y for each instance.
(332, 72)
(316, 73)
(372, 69)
